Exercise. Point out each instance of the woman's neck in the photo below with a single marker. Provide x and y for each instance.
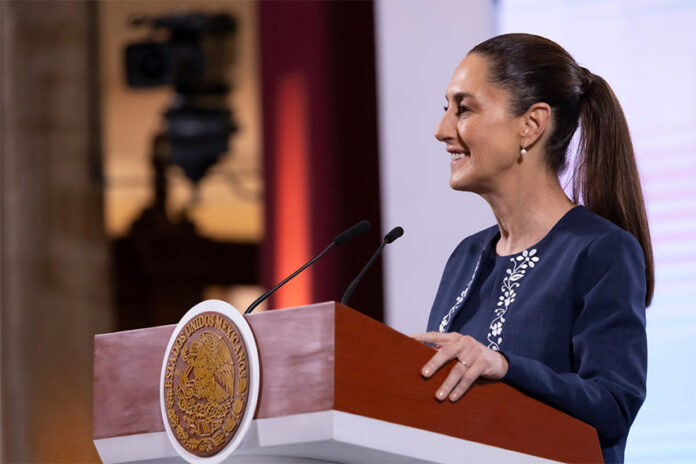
(526, 211)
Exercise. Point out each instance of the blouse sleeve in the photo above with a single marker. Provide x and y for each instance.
(609, 349)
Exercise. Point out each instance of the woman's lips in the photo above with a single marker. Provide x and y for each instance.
(458, 155)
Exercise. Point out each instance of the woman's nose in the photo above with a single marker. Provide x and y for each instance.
(443, 131)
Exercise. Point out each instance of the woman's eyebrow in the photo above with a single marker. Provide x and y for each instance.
(462, 95)
(459, 96)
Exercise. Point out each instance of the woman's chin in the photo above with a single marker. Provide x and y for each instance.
(460, 186)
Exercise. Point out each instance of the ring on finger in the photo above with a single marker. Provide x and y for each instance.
(464, 363)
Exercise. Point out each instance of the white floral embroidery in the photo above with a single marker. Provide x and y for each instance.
(445, 320)
(520, 264)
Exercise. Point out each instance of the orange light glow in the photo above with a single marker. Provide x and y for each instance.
(292, 234)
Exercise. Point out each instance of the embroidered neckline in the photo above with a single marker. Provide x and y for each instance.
(446, 319)
(520, 264)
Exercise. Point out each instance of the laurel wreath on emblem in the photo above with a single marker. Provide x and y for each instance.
(206, 395)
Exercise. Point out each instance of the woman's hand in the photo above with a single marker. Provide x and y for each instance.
(474, 360)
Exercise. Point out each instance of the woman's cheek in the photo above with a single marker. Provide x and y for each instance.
(464, 131)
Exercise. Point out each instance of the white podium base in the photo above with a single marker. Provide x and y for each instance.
(325, 436)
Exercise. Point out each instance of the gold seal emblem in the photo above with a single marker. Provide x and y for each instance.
(206, 383)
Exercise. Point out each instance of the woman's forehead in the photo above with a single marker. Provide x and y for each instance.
(469, 78)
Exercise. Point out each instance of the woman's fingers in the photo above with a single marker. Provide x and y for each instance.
(459, 379)
(452, 380)
(466, 381)
(474, 360)
(429, 335)
(444, 354)
(436, 338)
(451, 345)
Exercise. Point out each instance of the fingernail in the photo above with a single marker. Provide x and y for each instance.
(453, 397)
(441, 394)
(426, 372)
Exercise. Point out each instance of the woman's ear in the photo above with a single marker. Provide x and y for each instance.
(535, 123)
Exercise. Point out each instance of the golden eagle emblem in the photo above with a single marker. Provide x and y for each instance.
(208, 392)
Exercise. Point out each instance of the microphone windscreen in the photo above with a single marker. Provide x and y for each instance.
(393, 234)
(358, 229)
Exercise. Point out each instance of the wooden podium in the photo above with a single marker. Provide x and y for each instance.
(335, 386)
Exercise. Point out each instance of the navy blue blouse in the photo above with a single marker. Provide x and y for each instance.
(568, 313)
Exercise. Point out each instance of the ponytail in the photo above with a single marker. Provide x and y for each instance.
(606, 175)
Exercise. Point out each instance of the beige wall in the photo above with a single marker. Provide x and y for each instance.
(53, 256)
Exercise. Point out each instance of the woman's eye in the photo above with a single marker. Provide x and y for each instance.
(461, 109)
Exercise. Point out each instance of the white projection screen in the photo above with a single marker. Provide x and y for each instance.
(647, 51)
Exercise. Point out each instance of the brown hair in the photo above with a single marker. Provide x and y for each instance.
(534, 69)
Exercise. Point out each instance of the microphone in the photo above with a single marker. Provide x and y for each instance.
(358, 229)
(349, 234)
(393, 234)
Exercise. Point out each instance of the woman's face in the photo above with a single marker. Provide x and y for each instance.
(482, 137)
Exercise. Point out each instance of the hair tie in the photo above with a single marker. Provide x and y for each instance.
(586, 78)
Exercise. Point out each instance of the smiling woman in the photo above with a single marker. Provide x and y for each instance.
(552, 299)
(476, 110)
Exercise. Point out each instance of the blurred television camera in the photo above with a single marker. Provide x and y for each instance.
(192, 53)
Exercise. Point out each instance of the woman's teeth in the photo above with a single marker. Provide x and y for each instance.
(456, 156)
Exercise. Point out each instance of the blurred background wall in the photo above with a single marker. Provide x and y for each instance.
(334, 105)
(112, 219)
(54, 257)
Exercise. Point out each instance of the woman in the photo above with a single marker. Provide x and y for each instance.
(552, 299)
